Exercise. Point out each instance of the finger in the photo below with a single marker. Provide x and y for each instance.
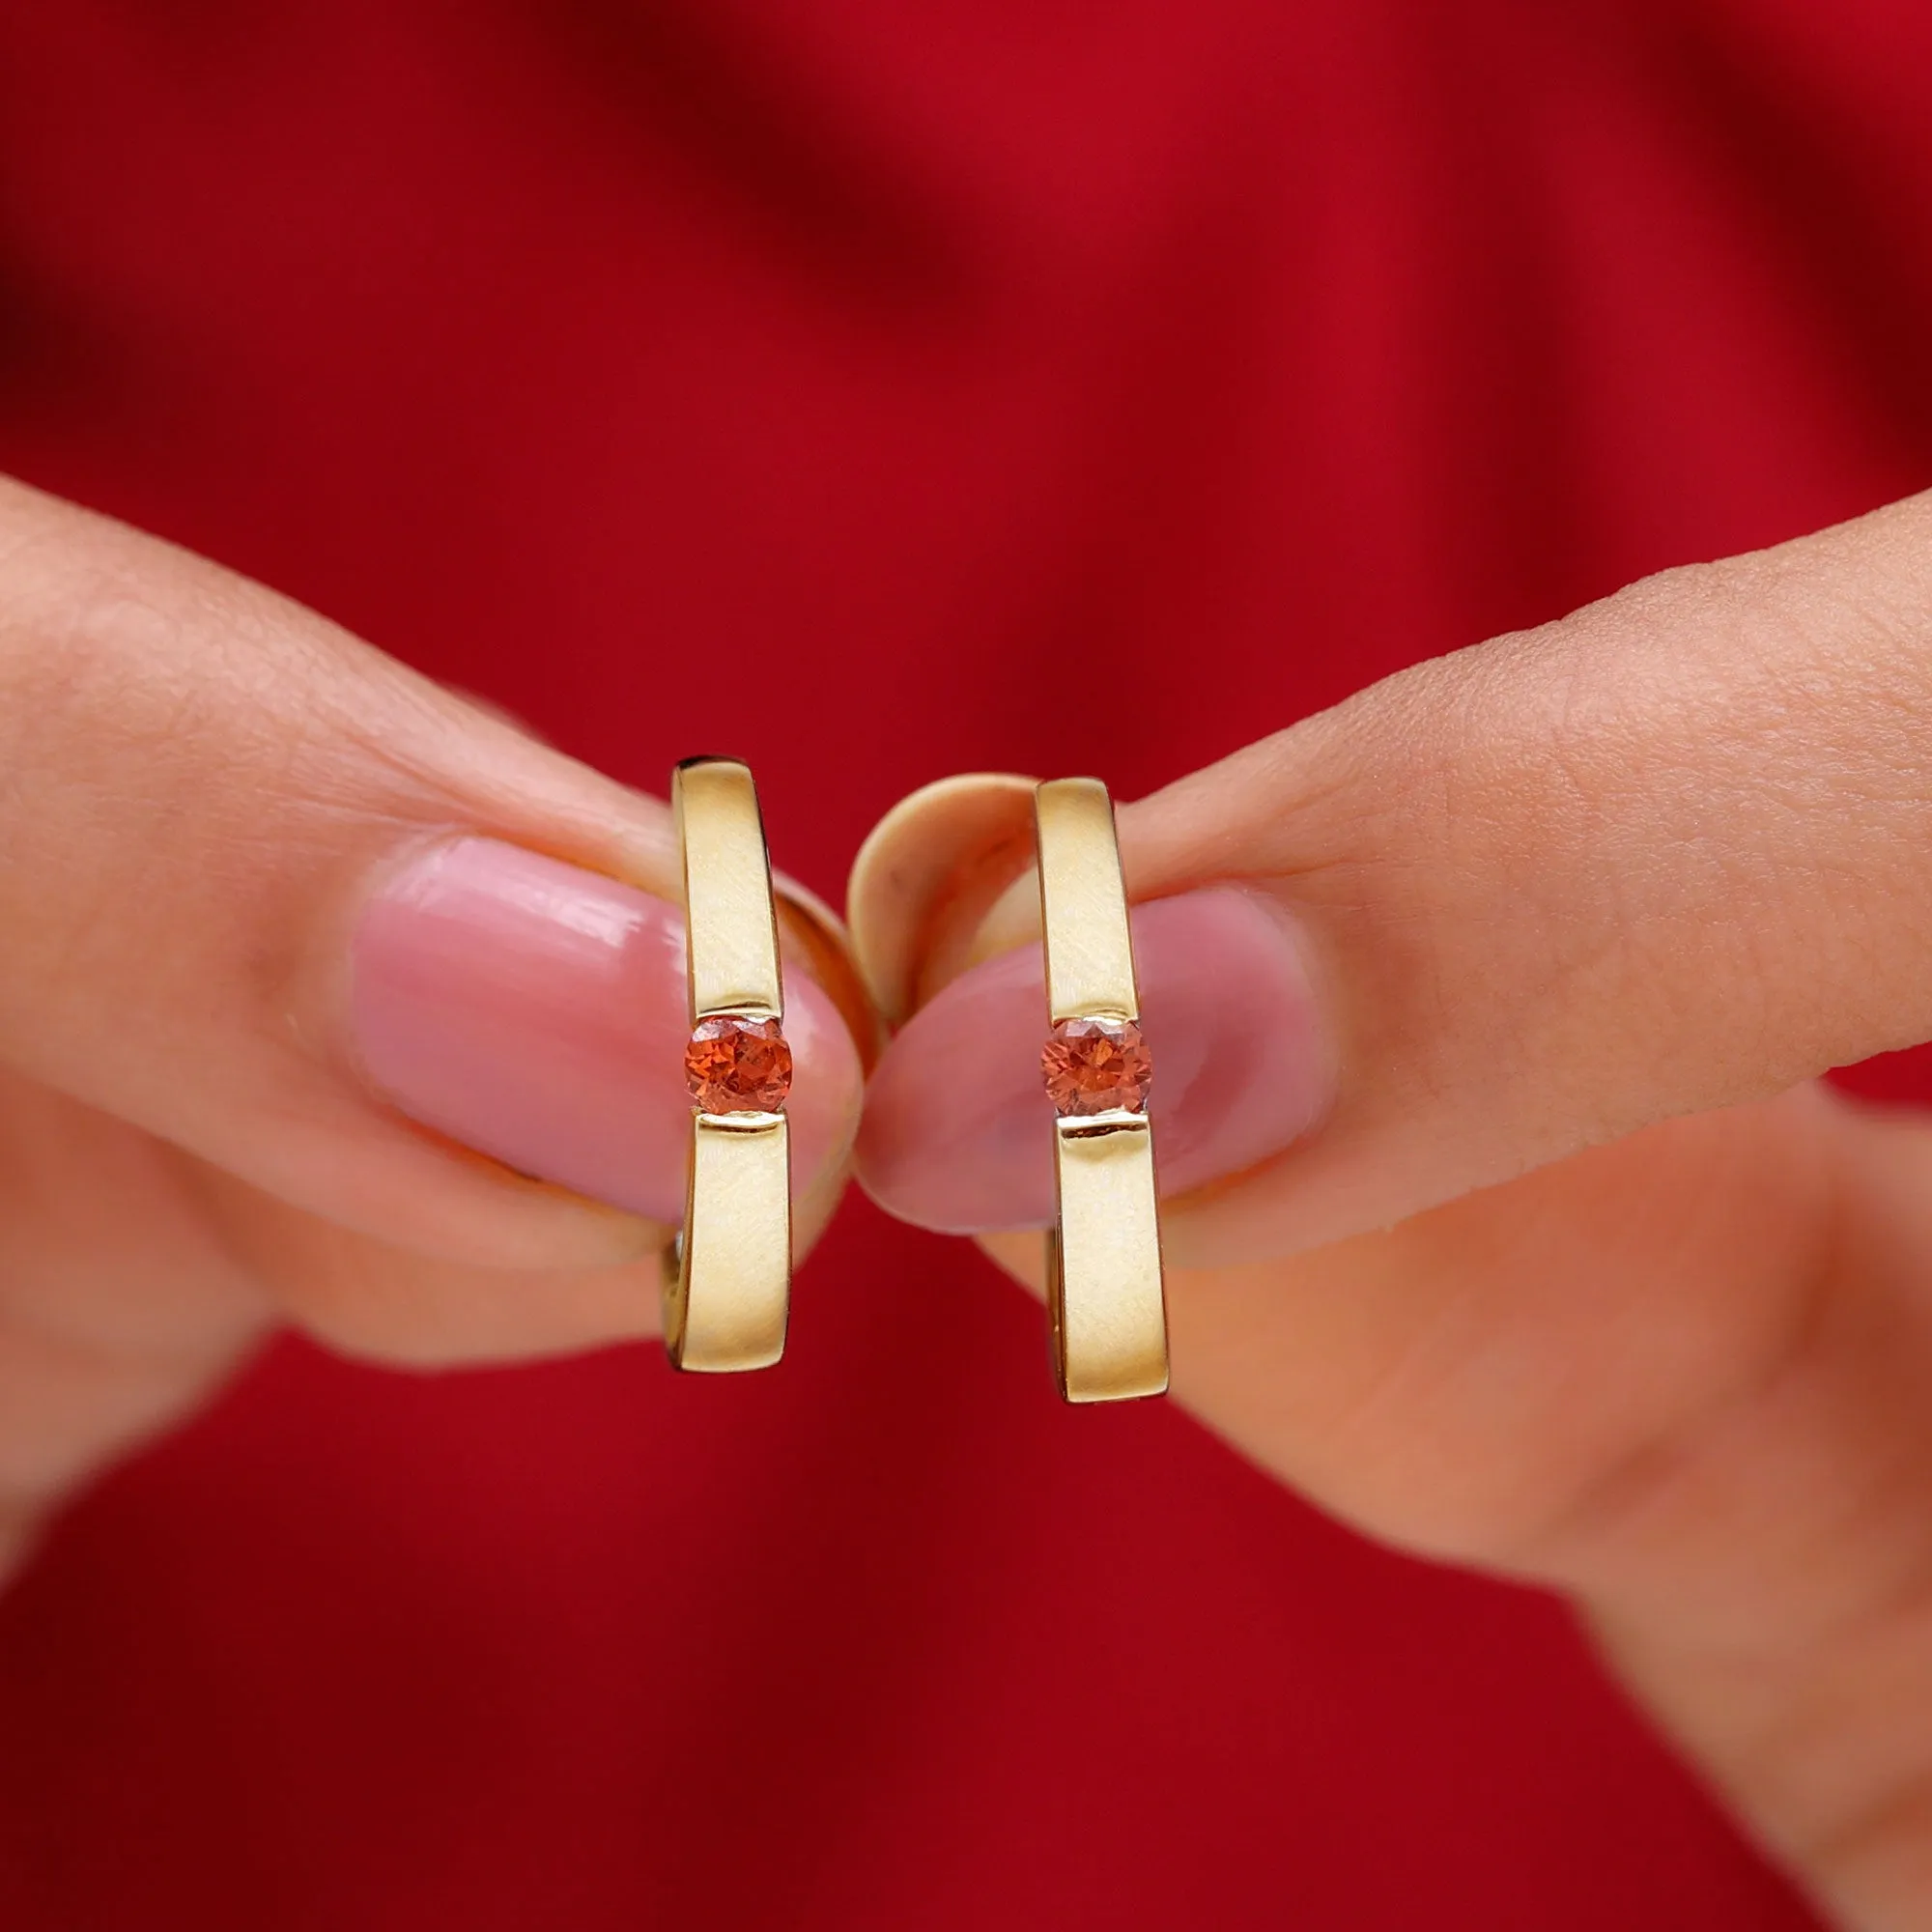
(277, 901)
(112, 1324)
(538, 1012)
(117, 1310)
(1471, 1381)
(1664, 856)
(399, 1307)
(1682, 1377)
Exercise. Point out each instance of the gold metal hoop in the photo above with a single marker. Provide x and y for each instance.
(1105, 1293)
(727, 1273)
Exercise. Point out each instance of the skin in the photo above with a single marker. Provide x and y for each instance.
(1581, 1278)
(205, 785)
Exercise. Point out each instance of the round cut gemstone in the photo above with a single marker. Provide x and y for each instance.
(735, 1066)
(1097, 1067)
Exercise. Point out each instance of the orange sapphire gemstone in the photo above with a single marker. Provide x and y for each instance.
(1097, 1067)
(737, 1065)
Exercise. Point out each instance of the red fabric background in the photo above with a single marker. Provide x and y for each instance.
(860, 381)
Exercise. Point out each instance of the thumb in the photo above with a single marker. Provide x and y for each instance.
(1666, 855)
(278, 901)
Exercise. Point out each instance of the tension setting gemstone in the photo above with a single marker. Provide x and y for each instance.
(737, 1065)
(1097, 1067)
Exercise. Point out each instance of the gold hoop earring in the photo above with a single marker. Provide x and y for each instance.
(728, 1272)
(1105, 1293)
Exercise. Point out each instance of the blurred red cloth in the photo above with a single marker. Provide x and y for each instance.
(907, 366)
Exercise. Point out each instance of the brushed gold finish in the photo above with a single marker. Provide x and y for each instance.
(727, 1273)
(1105, 1293)
(1103, 1262)
(731, 929)
(1083, 904)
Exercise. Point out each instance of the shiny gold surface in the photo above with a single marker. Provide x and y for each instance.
(1090, 960)
(1104, 1286)
(727, 1275)
(727, 891)
(1103, 1265)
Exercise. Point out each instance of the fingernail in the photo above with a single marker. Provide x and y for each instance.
(958, 1133)
(538, 1013)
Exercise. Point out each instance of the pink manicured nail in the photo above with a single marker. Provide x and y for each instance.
(958, 1132)
(537, 1013)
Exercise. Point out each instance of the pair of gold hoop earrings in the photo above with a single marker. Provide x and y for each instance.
(728, 1272)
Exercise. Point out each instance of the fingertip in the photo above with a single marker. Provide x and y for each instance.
(958, 1132)
(537, 1013)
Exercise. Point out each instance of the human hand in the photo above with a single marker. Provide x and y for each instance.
(263, 894)
(1505, 1218)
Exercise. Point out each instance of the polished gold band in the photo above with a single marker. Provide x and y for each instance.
(727, 1274)
(1104, 1285)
